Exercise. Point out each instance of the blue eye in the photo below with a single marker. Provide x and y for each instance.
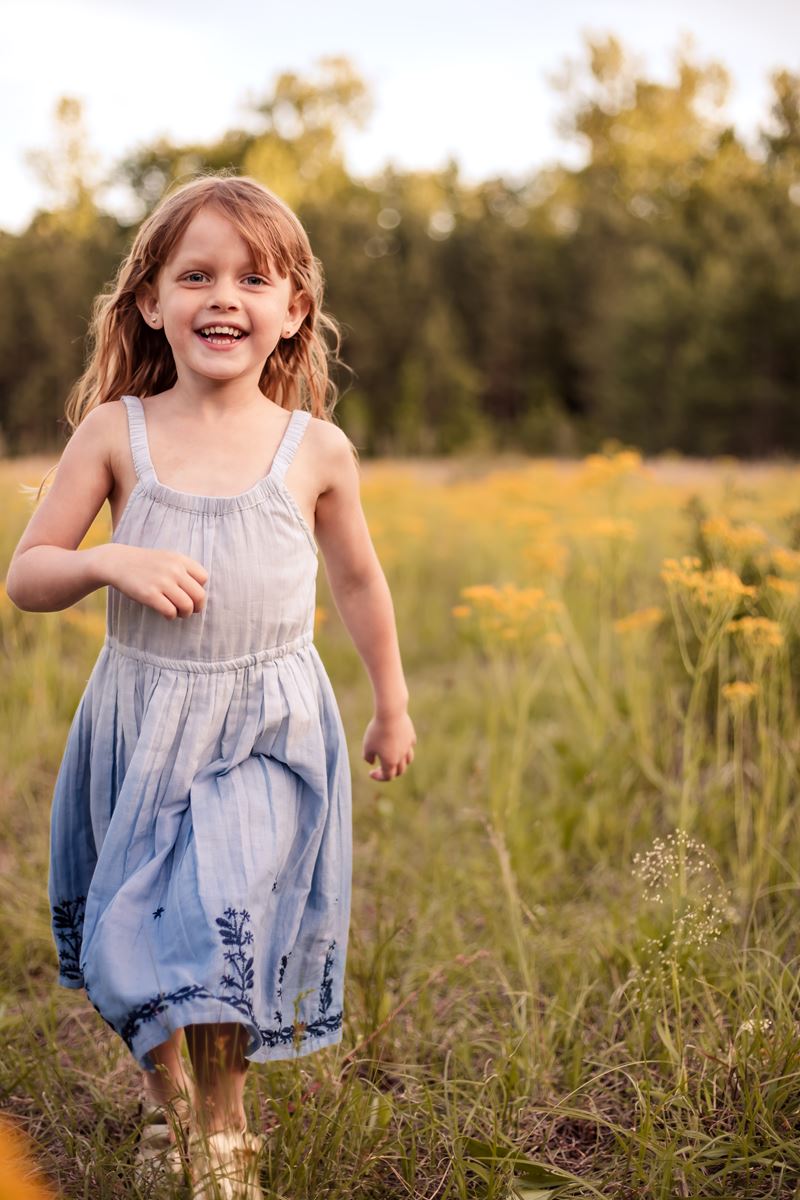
(191, 273)
(258, 278)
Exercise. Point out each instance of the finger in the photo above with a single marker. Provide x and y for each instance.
(197, 593)
(168, 610)
(184, 605)
(196, 570)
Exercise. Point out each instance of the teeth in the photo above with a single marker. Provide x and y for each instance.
(226, 329)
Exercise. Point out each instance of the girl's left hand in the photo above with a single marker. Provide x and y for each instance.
(393, 740)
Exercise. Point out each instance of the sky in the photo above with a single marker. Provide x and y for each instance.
(448, 78)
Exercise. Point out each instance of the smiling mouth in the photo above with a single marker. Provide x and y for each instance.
(221, 335)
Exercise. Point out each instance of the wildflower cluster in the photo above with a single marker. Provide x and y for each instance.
(600, 469)
(642, 618)
(712, 589)
(734, 541)
(512, 613)
(700, 904)
(787, 561)
(547, 556)
(739, 693)
(790, 588)
(764, 1025)
(759, 634)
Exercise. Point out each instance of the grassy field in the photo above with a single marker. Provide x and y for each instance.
(573, 961)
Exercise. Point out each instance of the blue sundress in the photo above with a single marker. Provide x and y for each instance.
(200, 834)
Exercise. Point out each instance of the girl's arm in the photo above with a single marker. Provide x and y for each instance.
(48, 572)
(362, 597)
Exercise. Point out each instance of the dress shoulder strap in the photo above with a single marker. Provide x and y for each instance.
(292, 437)
(137, 432)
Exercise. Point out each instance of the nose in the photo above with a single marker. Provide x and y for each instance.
(223, 297)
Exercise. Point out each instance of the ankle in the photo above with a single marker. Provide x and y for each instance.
(160, 1092)
(228, 1122)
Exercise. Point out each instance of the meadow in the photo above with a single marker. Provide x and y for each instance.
(573, 959)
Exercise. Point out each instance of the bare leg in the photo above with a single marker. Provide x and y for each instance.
(220, 1069)
(170, 1077)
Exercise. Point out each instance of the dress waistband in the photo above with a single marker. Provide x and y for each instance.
(207, 666)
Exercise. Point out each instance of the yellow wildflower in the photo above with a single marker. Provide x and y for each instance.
(785, 587)
(549, 557)
(679, 569)
(498, 610)
(480, 592)
(717, 586)
(758, 632)
(739, 693)
(723, 584)
(598, 469)
(734, 538)
(642, 618)
(786, 560)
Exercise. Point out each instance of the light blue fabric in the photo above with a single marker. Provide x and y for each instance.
(200, 848)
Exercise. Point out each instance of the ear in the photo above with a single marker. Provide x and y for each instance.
(147, 304)
(296, 313)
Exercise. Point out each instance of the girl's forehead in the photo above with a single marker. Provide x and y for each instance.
(215, 236)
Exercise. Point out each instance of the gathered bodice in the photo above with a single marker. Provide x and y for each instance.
(258, 550)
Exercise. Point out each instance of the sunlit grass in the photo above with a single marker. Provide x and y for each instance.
(574, 925)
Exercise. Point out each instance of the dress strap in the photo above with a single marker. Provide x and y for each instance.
(137, 432)
(292, 436)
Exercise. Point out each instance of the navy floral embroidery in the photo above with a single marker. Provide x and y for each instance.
(158, 1004)
(325, 1022)
(238, 983)
(240, 979)
(68, 928)
(158, 912)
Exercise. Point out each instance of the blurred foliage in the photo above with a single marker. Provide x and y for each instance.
(651, 295)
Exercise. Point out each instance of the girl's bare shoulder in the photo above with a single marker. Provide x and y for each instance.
(111, 424)
(84, 479)
(101, 437)
(331, 451)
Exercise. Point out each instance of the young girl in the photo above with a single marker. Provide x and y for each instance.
(200, 860)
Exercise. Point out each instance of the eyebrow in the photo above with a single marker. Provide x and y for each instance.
(184, 261)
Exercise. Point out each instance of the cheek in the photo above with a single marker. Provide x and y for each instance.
(180, 314)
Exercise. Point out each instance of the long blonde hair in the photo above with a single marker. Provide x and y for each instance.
(128, 357)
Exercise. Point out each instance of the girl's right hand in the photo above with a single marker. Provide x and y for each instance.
(167, 581)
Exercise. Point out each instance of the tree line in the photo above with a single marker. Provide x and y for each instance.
(651, 295)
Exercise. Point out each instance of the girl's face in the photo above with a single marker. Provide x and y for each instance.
(210, 282)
